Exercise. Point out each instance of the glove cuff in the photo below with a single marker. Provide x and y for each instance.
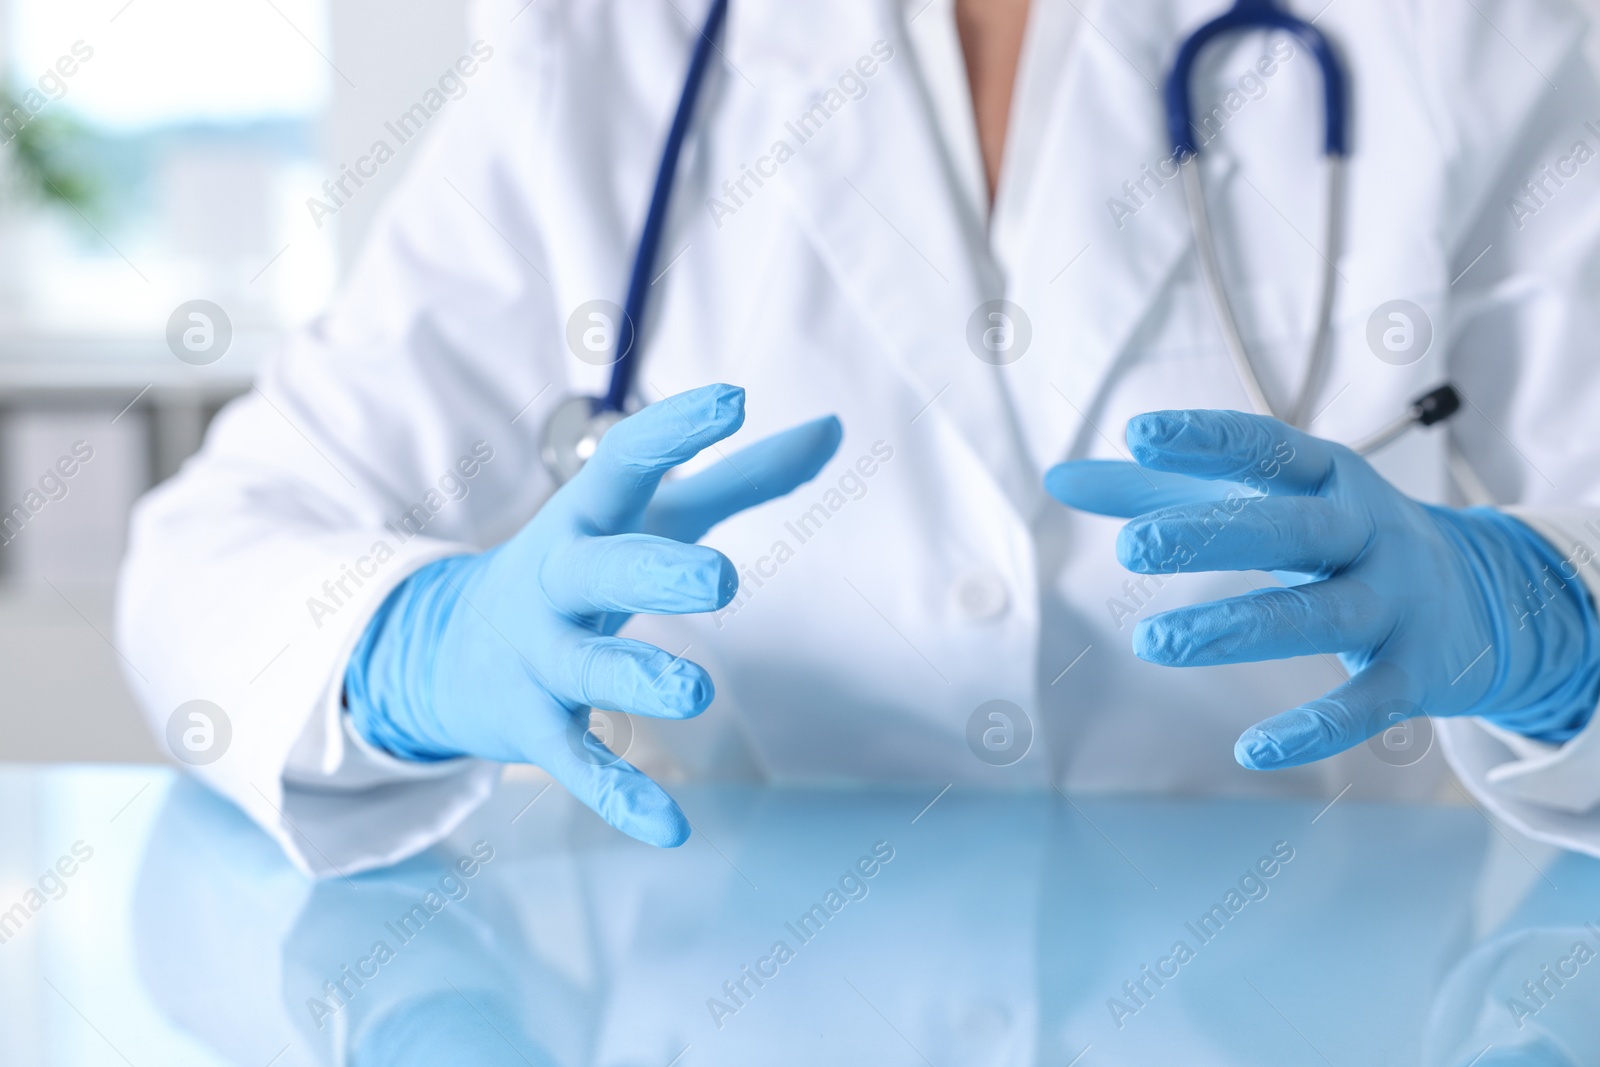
(388, 681)
(1547, 631)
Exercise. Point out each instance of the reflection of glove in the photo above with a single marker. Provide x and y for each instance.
(1430, 609)
(499, 655)
(1523, 998)
(1537, 1051)
(475, 1026)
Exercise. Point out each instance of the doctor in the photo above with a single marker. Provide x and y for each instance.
(832, 499)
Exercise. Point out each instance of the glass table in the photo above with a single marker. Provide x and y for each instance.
(144, 921)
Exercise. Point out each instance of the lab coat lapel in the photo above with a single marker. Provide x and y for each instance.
(1098, 229)
(875, 191)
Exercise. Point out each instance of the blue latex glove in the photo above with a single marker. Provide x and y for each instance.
(498, 654)
(1432, 610)
(448, 1027)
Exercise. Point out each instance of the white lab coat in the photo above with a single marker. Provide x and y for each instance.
(844, 282)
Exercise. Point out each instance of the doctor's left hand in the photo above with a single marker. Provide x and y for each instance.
(1431, 610)
(501, 654)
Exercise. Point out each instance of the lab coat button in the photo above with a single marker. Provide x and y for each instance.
(982, 595)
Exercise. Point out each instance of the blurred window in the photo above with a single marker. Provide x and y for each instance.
(156, 151)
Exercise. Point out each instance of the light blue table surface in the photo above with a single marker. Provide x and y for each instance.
(988, 929)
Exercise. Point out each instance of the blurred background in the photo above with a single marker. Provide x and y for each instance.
(155, 152)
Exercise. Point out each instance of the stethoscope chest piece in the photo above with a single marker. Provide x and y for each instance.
(572, 433)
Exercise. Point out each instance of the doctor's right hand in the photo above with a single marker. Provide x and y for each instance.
(500, 654)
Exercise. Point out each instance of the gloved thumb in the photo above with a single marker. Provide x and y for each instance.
(1122, 490)
(1375, 699)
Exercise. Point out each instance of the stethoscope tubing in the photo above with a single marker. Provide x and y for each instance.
(1244, 15)
(644, 259)
(1316, 360)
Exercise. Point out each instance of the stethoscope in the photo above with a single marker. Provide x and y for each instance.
(574, 429)
(1432, 407)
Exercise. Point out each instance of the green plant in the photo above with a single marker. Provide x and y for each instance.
(41, 161)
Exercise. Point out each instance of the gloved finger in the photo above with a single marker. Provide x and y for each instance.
(1372, 701)
(772, 467)
(620, 674)
(613, 489)
(615, 790)
(1341, 615)
(1122, 490)
(636, 573)
(1262, 453)
(1307, 534)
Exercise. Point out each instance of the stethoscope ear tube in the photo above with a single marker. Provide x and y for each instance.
(1432, 407)
(1435, 406)
(1233, 338)
(1256, 15)
(1262, 15)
